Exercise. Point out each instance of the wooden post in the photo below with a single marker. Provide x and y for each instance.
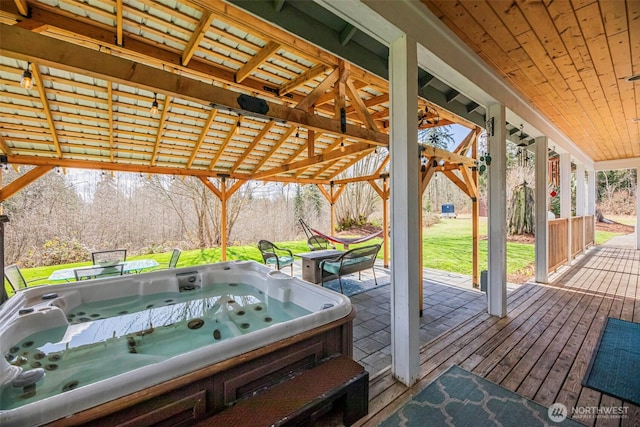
(332, 211)
(223, 219)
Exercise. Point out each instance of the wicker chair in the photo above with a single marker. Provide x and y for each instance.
(275, 256)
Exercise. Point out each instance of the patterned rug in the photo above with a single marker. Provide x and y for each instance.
(615, 364)
(460, 398)
(352, 286)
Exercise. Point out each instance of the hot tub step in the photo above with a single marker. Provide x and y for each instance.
(334, 380)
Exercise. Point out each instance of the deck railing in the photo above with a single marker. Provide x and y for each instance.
(577, 235)
(589, 231)
(558, 239)
(582, 236)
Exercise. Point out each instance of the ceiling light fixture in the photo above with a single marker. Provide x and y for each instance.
(27, 79)
(154, 105)
(236, 131)
(342, 146)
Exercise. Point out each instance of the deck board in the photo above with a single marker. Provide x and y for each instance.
(542, 348)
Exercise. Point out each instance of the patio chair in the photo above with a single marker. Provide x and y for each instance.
(275, 256)
(16, 279)
(113, 256)
(319, 243)
(354, 260)
(97, 272)
(173, 261)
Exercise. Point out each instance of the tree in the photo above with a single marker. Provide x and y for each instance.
(441, 136)
(47, 210)
(521, 220)
(358, 200)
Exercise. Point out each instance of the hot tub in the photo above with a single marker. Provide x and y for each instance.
(173, 346)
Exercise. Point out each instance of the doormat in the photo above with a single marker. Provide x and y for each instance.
(615, 364)
(460, 398)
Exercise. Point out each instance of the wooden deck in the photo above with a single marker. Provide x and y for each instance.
(542, 348)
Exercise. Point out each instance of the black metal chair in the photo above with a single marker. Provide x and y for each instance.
(275, 256)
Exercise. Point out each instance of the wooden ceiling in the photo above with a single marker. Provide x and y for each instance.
(571, 60)
(98, 65)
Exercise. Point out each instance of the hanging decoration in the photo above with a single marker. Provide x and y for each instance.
(523, 153)
(485, 159)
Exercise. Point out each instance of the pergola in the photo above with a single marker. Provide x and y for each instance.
(294, 91)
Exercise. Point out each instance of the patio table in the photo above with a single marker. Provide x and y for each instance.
(135, 266)
(311, 263)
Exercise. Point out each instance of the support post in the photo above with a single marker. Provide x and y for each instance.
(403, 84)
(542, 209)
(581, 197)
(332, 209)
(385, 222)
(497, 184)
(223, 218)
(638, 207)
(475, 220)
(565, 197)
(591, 200)
(3, 219)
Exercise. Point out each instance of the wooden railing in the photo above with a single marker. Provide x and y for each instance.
(558, 239)
(589, 231)
(582, 236)
(577, 235)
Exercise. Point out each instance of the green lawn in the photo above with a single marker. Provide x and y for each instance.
(446, 246)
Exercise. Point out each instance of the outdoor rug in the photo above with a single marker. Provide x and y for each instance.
(460, 398)
(353, 286)
(615, 364)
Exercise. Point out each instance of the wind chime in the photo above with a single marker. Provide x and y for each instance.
(523, 153)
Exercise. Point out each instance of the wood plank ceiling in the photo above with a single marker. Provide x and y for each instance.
(90, 106)
(572, 60)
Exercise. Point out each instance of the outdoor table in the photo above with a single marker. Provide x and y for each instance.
(311, 263)
(129, 267)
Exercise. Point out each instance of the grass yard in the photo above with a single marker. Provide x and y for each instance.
(446, 246)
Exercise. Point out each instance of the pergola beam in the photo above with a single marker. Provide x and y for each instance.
(310, 74)
(163, 119)
(45, 106)
(196, 37)
(22, 181)
(22, 44)
(252, 64)
(320, 158)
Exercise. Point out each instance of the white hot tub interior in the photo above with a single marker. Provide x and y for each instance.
(92, 341)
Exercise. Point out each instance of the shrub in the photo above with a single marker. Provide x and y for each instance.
(56, 252)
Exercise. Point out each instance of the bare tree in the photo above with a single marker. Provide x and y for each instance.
(358, 201)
